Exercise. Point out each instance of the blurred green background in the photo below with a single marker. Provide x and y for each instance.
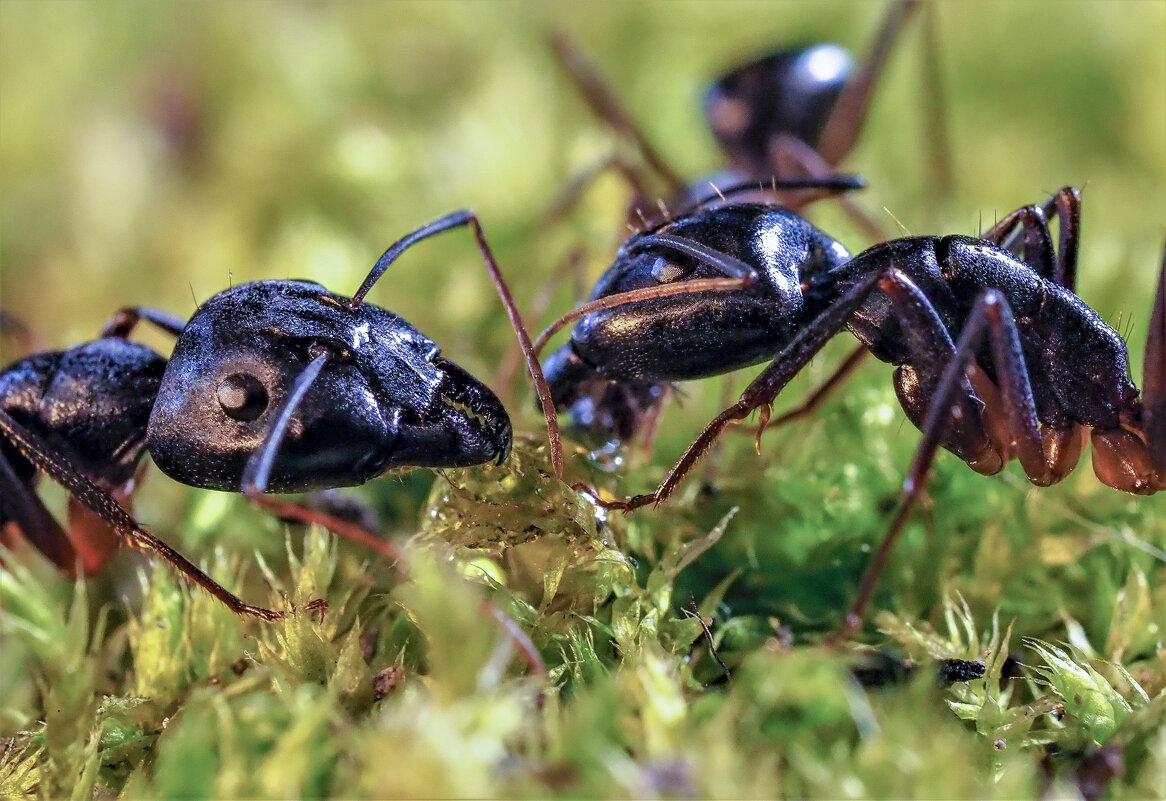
(153, 154)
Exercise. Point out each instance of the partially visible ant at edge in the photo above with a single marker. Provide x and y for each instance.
(272, 386)
(996, 359)
(792, 114)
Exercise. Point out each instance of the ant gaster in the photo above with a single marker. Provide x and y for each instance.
(273, 385)
(996, 358)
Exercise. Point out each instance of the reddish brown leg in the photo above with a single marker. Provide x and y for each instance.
(605, 105)
(823, 391)
(935, 114)
(125, 320)
(1025, 232)
(740, 275)
(849, 115)
(1154, 382)
(15, 331)
(254, 484)
(992, 317)
(95, 498)
(570, 266)
(21, 506)
(761, 391)
(569, 199)
(792, 156)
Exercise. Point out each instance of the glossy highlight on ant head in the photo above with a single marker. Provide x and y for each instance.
(383, 398)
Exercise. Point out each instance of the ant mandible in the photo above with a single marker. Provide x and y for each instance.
(1049, 370)
(272, 385)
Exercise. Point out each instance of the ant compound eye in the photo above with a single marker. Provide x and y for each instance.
(242, 396)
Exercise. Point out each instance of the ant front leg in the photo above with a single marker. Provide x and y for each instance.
(459, 219)
(20, 506)
(257, 474)
(792, 156)
(739, 275)
(99, 501)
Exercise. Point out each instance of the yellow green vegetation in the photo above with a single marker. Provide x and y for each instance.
(148, 155)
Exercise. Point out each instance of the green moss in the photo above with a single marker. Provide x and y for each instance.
(524, 646)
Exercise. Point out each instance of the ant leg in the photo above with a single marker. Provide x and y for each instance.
(935, 106)
(823, 391)
(740, 275)
(849, 114)
(125, 320)
(605, 105)
(992, 316)
(95, 498)
(1154, 381)
(578, 186)
(258, 472)
(763, 389)
(20, 505)
(1066, 204)
(1036, 247)
(11, 328)
(467, 218)
(570, 266)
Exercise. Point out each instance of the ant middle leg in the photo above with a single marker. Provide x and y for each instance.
(124, 321)
(1154, 380)
(1046, 455)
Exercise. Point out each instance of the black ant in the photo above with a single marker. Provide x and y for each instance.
(272, 385)
(996, 357)
(794, 113)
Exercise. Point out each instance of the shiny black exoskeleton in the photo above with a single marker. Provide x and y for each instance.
(273, 385)
(89, 405)
(997, 358)
(791, 92)
(779, 261)
(384, 398)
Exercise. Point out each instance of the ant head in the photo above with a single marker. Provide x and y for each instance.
(383, 397)
(789, 92)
